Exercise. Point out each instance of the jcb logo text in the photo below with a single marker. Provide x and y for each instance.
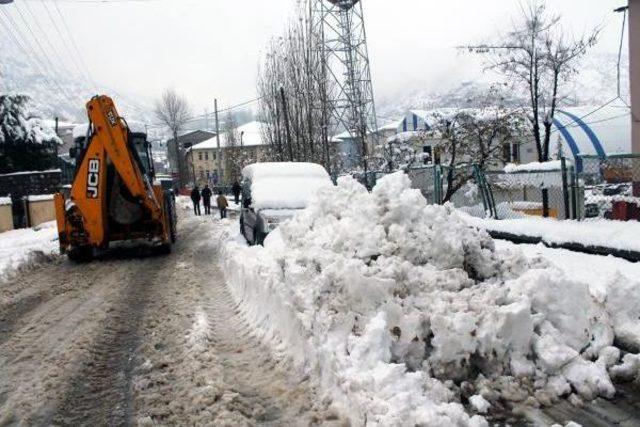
(93, 178)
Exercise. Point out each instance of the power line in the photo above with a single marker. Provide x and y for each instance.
(202, 116)
(29, 53)
(618, 95)
(43, 51)
(56, 54)
(64, 43)
(608, 119)
(75, 46)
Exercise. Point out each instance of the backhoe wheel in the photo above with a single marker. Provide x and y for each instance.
(81, 254)
(165, 249)
(171, 215)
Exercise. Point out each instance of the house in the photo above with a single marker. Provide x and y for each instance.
(185, 142)
(349, 145)
(576, 132)
(203, 157)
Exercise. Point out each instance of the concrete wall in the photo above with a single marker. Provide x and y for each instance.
(41, 212)
(6, 218)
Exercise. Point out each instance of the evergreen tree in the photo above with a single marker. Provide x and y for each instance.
(26, 143)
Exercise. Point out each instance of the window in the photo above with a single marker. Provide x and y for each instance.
(214, 155)
(200, 156)
(426, 154)
(206, 155)
(506, 152)
(515, 153)
(208, 175)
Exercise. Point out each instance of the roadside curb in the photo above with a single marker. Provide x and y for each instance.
(633, 256)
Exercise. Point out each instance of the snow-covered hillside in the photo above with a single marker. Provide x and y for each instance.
(594, 85)
(59, 93)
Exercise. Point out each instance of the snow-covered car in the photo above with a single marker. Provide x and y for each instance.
(274, 192)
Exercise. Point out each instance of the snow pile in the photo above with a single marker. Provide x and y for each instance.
(81, 130)
(284, 185)
(4, 201)
(23, 247)
(404, 315)
(554, 165)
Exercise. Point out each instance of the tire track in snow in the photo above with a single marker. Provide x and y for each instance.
(99, 393)
(208, 360)
(147, 340)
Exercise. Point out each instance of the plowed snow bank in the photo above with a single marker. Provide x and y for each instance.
(404, 315)
(19, 248)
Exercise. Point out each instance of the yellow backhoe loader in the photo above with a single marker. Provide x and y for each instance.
(112, 196)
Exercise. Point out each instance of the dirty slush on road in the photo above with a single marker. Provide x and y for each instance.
(144, 341)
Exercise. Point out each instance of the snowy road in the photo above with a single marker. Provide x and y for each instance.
(148, 340)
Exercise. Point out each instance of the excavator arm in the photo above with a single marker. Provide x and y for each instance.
(112, 134)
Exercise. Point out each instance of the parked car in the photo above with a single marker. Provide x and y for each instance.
(274, 192)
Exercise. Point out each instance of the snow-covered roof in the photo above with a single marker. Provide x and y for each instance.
(61, 125)
(251, 137)
(32, 172)
(595, 131)
(554, 165)
(40, 197)
(391, 126)
(80, 130)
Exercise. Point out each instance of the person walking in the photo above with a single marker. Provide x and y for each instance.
(206, 199)
(195, 198)
(222, 205)
(236, 189)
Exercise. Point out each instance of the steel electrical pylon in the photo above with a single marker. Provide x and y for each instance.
(338, 32)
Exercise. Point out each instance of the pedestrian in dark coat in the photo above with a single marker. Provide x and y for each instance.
(222, 205)
(195, 198)
(206, 199)
(236, 189)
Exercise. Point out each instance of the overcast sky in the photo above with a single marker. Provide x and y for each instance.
(211, 48)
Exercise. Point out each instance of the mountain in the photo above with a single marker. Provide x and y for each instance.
(58, 93)
(595, 84)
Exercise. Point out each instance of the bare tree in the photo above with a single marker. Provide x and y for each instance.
(538, 57)
(293, 92)
(483, 137)
(173, 111)
(232, 149)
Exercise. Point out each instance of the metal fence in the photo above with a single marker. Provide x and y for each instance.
(595, 187)
(611, 186)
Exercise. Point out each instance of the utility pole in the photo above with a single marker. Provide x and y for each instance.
(286, 123)
(58, 135)
(634, 72)
(219, 156)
